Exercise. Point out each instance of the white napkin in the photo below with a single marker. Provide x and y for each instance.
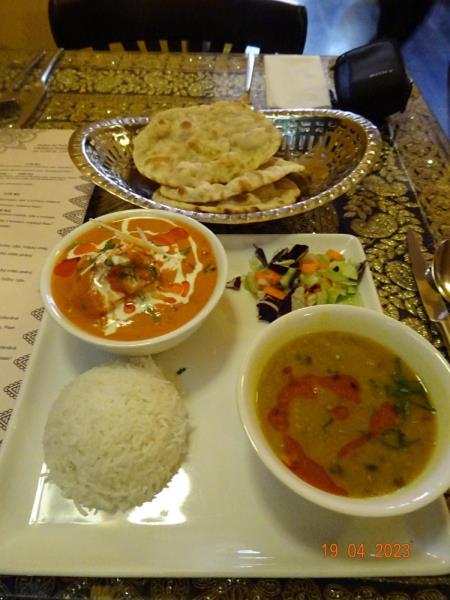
(295, 81)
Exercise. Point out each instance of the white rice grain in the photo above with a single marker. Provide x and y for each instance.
(115, 436)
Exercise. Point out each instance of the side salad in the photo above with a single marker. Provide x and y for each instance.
(295, 277)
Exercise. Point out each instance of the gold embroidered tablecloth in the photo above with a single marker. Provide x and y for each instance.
(409, 188)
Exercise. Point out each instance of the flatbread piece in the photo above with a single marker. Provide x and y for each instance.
(273, 195)
(205, 192)
(217, 142)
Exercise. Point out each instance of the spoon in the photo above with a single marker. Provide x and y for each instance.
(440, 269)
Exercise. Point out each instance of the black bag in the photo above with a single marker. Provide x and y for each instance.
(372, 81)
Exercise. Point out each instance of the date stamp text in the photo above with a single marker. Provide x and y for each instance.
(359, 551)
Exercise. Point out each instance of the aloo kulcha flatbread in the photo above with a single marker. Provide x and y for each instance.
(212, 143)
(205, 192)
(273, 195)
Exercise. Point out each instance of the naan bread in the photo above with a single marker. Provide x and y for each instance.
(206, 192)
(212, 142)
(273, 195)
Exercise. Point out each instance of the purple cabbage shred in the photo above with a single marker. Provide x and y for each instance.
(294, 254)
(267, 310)
(261, 255)
(234, 284)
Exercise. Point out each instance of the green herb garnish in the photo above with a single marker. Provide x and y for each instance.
(406, 392)
(150, 310)
(396, 438)
(109, 245)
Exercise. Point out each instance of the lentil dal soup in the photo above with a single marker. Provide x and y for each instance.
(135, 278)
(345, 414)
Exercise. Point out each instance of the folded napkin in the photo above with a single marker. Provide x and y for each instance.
(294, 81)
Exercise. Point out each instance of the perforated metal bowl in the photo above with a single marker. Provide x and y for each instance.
(338, 148)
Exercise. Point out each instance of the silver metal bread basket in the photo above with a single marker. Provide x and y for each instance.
(337, 148)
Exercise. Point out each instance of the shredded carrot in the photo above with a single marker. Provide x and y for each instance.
(309, 266)
(334, 254)
(268, 275)
(271, 290)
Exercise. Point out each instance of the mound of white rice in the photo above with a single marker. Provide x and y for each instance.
(115, 436)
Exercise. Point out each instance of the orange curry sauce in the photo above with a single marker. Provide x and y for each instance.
(111, 287)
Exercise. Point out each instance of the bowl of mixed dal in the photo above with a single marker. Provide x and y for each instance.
(134, 282)
(350, 409)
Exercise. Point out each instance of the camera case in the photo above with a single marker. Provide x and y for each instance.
(371, 80)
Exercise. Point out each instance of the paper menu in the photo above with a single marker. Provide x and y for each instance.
(42, 197)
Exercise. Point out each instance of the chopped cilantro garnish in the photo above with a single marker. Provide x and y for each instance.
(109, 245)
(396, 438)
(150, 310)
(406, 392)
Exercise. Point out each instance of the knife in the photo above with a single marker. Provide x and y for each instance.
(432, 301)
(37, 93)
(251, 53)
(18, 81)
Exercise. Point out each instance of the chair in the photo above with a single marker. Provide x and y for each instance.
(199, 25)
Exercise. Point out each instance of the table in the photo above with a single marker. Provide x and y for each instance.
(409, 188)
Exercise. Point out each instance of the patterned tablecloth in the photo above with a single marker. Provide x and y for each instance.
(409, 188)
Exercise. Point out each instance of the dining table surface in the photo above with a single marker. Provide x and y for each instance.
(409, 188)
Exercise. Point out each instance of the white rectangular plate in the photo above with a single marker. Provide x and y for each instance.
(223, 513)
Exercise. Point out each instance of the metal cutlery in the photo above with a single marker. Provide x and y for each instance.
(251, 53)
(432, 301)
(440, 269)
(37, 93)
(11, 96)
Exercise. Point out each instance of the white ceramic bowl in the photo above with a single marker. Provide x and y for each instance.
(411, 347)
(150, 345)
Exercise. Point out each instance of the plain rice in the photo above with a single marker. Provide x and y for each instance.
(115, 436)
